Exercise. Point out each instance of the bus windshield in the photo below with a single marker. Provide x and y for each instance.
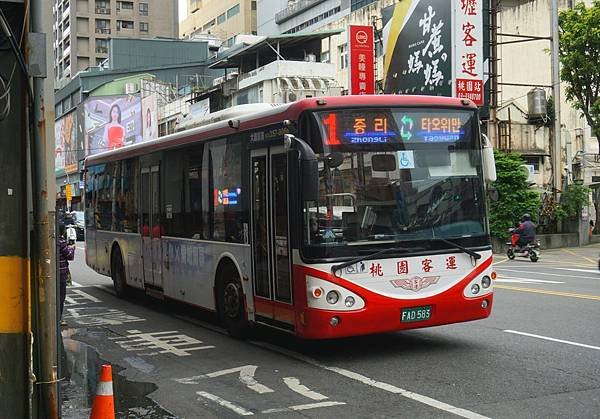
(396, 174)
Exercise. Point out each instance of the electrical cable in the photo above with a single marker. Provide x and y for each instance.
(6, 84)
(16, 49)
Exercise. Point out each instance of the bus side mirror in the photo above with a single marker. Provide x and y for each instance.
(489, 162)
(309, 168)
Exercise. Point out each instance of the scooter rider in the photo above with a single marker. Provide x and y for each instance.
(526, 231)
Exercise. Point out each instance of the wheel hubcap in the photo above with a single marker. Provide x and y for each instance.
(231, 300)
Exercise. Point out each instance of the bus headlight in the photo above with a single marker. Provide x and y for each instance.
(475, 289)
(349, 301)
(332, 297)
(486, 281)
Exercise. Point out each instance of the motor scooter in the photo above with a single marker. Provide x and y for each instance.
(531, 250)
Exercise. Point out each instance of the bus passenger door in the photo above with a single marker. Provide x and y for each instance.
(151, 227)
(271, 260)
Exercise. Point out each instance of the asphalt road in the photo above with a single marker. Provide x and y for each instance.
(538, 355)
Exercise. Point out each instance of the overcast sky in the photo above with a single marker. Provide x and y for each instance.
(182, 9)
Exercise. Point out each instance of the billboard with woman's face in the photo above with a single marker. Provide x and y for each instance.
(112, 122)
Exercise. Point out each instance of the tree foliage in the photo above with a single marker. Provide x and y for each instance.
(579, 51)
(573, 199)
(515, 196)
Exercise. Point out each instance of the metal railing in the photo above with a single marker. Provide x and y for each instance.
(103, 30)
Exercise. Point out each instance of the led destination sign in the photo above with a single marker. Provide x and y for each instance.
(392, 126)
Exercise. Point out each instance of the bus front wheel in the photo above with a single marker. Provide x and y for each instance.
(230, 303)
(117, 270)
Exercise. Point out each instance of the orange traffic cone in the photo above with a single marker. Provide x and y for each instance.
(104, 404)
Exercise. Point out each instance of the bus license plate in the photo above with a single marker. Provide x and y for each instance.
(415, 314)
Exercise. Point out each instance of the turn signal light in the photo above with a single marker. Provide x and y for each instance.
(317, 292)
(493, 275)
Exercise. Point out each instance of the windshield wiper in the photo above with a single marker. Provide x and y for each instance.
(470, 252)
(343, 265)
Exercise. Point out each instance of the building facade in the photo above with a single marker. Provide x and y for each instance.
(519, 129)
(223, 19)
(291, 16)
(82, 29)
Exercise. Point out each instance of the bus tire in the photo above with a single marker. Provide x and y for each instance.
(231, 307)
(117, 273)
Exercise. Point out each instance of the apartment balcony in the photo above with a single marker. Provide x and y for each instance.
(102, 10)
(104, 31)
(66, 52)
(295, 9)
(125, 31)
(101, 50)
(124, 12)
(288, 69)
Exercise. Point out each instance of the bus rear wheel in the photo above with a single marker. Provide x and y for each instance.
(230, 303)
(117, 270)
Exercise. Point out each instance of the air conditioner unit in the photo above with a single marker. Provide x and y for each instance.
(130, 88)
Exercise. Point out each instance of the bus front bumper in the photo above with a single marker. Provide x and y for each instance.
(325, 324)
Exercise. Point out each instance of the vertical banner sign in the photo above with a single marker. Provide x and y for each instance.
(361, 56)
(468, 41)
(417, 39)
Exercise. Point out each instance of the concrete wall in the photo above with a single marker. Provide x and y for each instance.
(128, 54)
(548, 241)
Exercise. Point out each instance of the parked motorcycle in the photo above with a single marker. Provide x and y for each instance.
(531, 250)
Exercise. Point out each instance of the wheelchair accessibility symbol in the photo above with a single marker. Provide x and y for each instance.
(406, 159)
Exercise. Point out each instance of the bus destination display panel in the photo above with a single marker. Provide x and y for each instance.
(388, 126)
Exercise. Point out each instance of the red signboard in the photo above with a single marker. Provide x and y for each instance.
(360, 60)
(470, 89)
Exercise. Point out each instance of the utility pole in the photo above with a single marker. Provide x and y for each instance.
(15, 349)
(556, 160)
(44, 197)
(493, 123)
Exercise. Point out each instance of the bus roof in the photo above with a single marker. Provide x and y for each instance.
(253, 120)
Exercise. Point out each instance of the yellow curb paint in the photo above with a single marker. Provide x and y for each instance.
(579, 256)
(13, 294)
(500, 261)
(548, 292)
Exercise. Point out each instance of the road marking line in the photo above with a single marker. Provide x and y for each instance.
(80, 248)
(525, 280)
(556, 293)
(303, 407)
(294, 384)
(377, 384)
(568, 342)
(75, 284)
(548, 274)
(225, 403)
(246, 377)
(581, 270)
(579, 256)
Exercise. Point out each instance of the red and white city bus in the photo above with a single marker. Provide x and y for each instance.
(326, 217)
